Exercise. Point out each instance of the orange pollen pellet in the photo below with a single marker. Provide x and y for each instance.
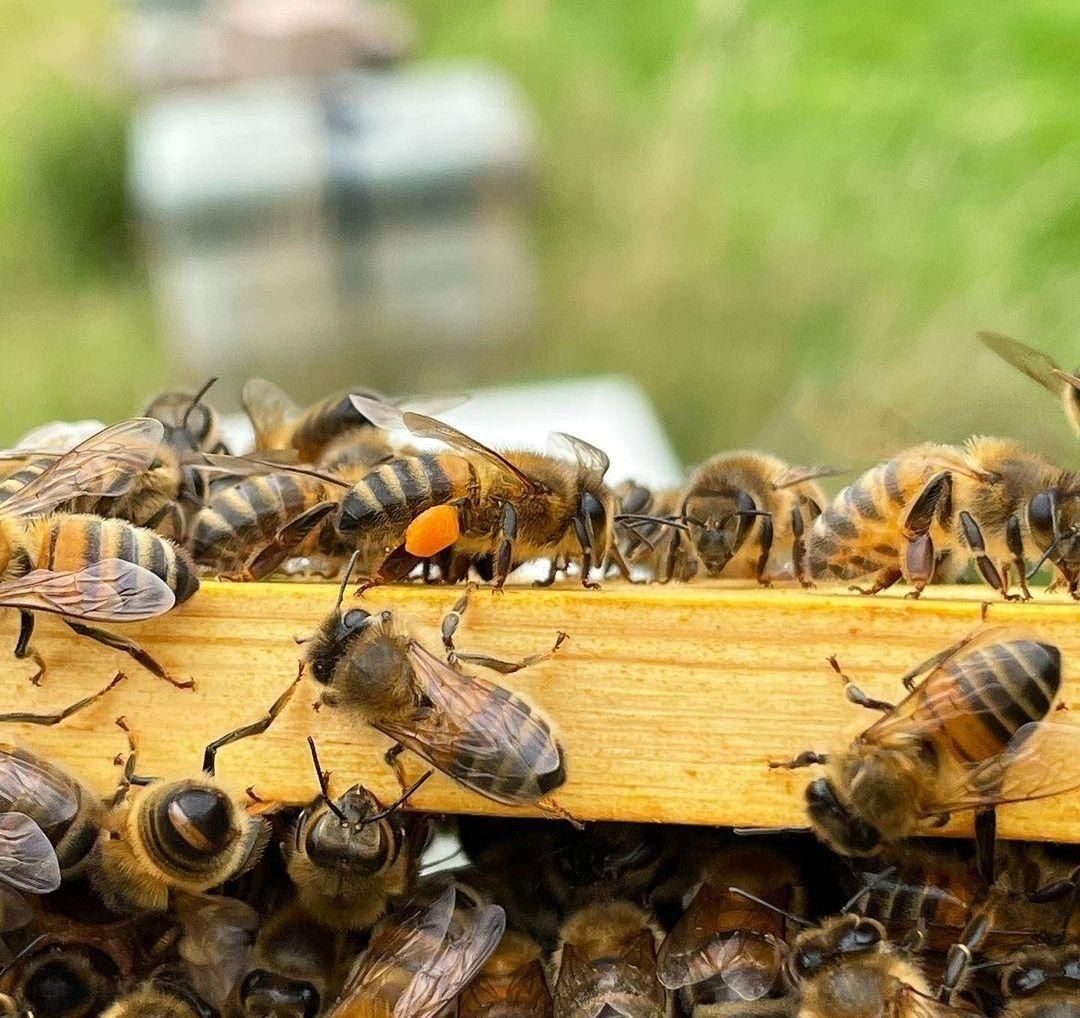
(432, 531)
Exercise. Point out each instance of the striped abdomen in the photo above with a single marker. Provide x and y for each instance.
(73, 541)
(860, 532)
(322, 422)
(392, 494)
(26, 472)
(1000, 687)
(240, 518)
(900, 905)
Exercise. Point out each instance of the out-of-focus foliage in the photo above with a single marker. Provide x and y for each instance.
(786, 219)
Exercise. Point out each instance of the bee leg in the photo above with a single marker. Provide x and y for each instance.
(798, 549)
(934, 498)
(1056, 890)
(393, 760)
(805, 759)
(933, 661)
(855, 694)
(1014, 540)
(885, 579)
(973, 534)
(765, 540)
(552, 576)
(670, 556)
(24, 650)
(986, 844)
(621, 564)
(129, 776)
(452, 619)
(507, 667)
(115, 642)
(73, 708)
(252, 728)
(958, 960)
(265, 559)
(505, 555)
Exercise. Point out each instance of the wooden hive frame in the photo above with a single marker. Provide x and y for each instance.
(669, 701)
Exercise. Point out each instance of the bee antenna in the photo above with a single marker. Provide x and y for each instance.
(752, 832)
(345, 579)
(742, 512)
(769, 905)
(22, 954)
(1045, 555)
(195, 401)
(632, 519)
(879, 878)
(324, 785)
(402, 799)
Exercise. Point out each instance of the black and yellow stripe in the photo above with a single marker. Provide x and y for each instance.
(74, 541)
(28, 471)
(239, 518)
(393, 494)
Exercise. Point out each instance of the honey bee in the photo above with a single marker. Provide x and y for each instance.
(1040, 368)
(971, 736)
(84, 568)
(747, 514)
(515, 507)
(608, 964)
(167, 994)
(292, 969)
(190, 424)
(727, 948)
(171, 837)
(480, 734)
(932, 509)
(1043, 982)
(350, 858)
(511, 984)
(415, 964)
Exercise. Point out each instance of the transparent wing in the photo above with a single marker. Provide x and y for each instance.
(1041, 760)
(105, 465)
(454, 965)
(385, 415)
(431, 406)
(593, 461)
(60, 436)
(27, 858)
(107, 591)
(483, 736)
(32, 788)
(216, 942)
(267, 406)
(1037, 365)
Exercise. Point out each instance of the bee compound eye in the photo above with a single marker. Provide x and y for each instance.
(355, 619)
(865, 934)
(807, 961)
(1024, 981)
(1041, 516)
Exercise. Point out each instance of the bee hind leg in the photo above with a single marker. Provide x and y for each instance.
(393, 760)
(855, 694)
(1014, 540)
(987, 569)
(20, 717)
(959, 957)
(23, 649)
(798, 549)
(115, 642)
(265, 559)
(804, 759)
(882, 581)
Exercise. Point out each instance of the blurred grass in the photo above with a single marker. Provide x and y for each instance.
(785, 219)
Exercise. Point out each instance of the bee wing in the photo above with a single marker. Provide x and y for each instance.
(593, 461)
(385, 415)
(27, 858)
(1041, 760)
(106, 464)
(15, 913)
(216, 942)
(484, 737)
(1037, 365)
(29, 787)
(714, 937)
(107, 591)
(431, 405)
(454, 964)
(404, 942)
(938, 699)
(268, 407)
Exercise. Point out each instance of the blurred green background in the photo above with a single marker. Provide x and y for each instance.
(786, 220)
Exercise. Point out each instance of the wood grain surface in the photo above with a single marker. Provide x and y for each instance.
(669, 701)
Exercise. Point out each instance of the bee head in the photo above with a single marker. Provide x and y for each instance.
(344, 835)
(1053, 517)
(596, 511)
(724, 529)
(837, 824)
(73, 981)
(843, 937)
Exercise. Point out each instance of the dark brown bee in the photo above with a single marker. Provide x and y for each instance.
(477, 732)
(607, 965)
(747, 513)
(1040, 368)
(516, 506)
(511, 984)
(350, 859)
(727, 948)
(417, 963)
(971, 736)
(1043, 982)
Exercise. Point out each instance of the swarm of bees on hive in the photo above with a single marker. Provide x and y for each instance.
(178, 899)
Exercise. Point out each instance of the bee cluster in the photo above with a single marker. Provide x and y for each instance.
(176, 898)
